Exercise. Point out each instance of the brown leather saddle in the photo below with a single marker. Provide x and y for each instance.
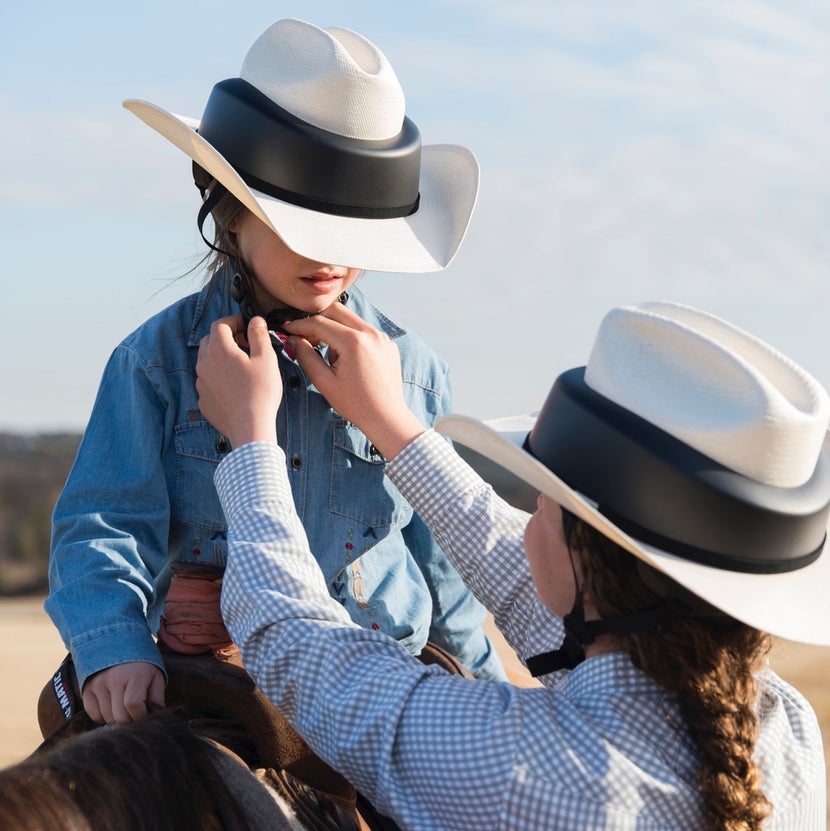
(219, 701)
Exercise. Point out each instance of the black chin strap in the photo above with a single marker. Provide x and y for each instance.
(579, 632)
(210, 199)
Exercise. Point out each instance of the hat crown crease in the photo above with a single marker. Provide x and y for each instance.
(723, 392)
(331, 78)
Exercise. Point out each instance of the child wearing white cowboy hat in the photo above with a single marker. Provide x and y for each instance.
(312, 173)
(684, 489)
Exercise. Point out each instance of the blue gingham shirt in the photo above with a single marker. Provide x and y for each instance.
(601, 747)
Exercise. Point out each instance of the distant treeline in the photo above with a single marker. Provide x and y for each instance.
(33, 469)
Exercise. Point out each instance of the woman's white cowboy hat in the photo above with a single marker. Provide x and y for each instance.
(314, 140)
(698, 448)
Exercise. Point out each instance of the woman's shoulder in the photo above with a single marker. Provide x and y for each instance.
(784, 710)
(789, 748)
(774, 686)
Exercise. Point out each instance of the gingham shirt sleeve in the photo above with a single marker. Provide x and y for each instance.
(434, 751)
(431, 749)
(482, 535)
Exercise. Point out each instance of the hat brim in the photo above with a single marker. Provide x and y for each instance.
(423, 242)
(791, 605)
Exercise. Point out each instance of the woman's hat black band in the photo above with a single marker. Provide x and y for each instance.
(292, 160)
(665, 493)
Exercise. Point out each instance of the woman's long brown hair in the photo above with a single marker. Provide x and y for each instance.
(708, 663)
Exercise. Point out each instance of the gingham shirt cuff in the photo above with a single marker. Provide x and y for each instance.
(238, 489)
(428, 473)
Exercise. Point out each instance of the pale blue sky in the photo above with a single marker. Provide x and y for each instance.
(629, 152)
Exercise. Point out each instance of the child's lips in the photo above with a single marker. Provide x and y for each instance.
(321, 283)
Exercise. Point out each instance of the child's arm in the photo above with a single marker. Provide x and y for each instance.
(110, 536)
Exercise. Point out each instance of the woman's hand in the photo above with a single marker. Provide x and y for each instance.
(239, 392)
(362, 377)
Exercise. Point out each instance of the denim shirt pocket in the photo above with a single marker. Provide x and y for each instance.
(199, 449)
(359, 488)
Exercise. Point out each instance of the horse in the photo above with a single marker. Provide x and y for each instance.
(219, 755)
(157, 773)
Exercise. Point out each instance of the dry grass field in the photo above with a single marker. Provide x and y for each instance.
(32, 650)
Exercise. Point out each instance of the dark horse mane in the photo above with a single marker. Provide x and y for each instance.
(156, 774)
(219, 756)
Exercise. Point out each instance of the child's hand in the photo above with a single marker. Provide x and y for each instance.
(362, 378)
(119, 694)
(239, 392)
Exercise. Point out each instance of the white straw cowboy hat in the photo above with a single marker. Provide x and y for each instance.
(696, 447)
(314, 140)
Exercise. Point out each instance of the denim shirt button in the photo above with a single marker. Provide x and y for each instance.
(296, 462)
(294, 382)
(222, 445)
(374, 451)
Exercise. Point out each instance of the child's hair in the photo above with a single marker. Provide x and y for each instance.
(223, 254)
(227, 209)
(707, 662)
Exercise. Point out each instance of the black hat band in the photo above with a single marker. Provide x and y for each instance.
(663, 492)
(287, 158)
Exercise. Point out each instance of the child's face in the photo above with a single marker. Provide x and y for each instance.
(548, 557)
(284, 277)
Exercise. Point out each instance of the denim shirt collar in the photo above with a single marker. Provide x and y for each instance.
(214, 301)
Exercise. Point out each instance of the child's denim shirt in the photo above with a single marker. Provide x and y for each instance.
(141, 495)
